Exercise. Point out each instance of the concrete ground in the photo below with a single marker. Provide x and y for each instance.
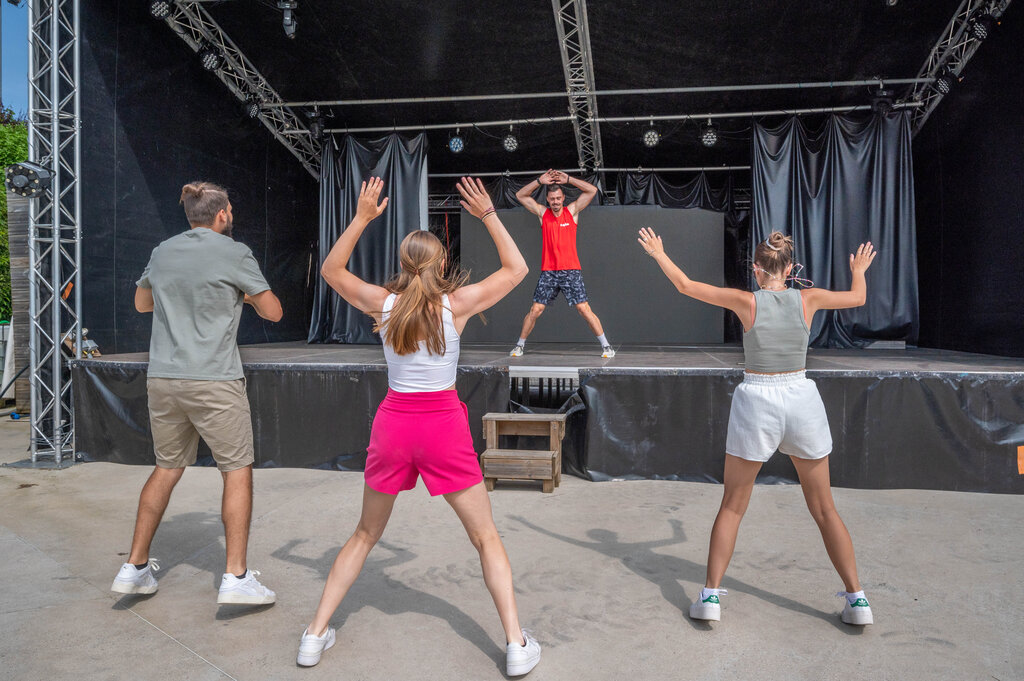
(604, 574)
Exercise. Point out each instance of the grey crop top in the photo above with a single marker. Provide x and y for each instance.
(777, 341)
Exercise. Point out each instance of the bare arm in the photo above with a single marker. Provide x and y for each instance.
(822, 299)
(589, 192)
(266, 305)
(525, 195)
(358, 293)
(469, 300)
(730, 298)
(143, 299)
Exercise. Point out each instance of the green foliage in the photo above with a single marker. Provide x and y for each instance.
(13, 148)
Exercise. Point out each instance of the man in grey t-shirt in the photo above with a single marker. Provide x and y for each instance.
(196, 285)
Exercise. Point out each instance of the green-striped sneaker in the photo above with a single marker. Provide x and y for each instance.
(707, 606)
(858, 612)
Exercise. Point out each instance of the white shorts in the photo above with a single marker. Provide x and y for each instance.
(781, 412)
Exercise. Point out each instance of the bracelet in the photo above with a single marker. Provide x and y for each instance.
(486, 213)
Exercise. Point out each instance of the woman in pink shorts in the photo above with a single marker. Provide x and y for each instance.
(421, 428)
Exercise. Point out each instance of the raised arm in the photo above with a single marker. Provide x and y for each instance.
(730, 298)
(469, 300)
(358, 293)
(822, 299)
(588, 190)
(525, 195)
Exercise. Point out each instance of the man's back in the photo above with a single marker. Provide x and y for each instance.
(199, 279)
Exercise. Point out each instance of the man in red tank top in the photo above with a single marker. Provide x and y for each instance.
(560, 264)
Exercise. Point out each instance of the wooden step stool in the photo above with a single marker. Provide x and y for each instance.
(523, 464)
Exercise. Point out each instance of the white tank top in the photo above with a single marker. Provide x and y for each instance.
(421, 371)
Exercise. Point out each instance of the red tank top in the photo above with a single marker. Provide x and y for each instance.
(559, 233)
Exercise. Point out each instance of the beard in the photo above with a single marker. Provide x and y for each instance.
(228, 227)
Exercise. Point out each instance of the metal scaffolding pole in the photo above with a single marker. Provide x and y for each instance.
(574, 44)
(54, 224)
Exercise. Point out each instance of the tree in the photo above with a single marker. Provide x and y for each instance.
(13, 149)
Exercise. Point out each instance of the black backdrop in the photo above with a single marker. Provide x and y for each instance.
(153, 120)
(969, 166)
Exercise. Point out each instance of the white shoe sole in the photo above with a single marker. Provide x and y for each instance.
(130, 588)
(699, 611)
(858, 617)
(522, 667)
(312, 660)
(232, 598)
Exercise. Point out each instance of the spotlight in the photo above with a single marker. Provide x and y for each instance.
(510, 143)
(944, 82)
(316, 125)
(27, 179)
(881, 101)
(456, 144)
(982, 25)
(651, 136)
(252, 106)
(891, 3)
(288, 20)
(709, 134)
(160, 9)
(210, 57)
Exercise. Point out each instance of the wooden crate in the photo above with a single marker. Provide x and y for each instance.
(523, 464)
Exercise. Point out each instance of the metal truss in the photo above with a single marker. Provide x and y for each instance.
(193, 24)
(574, 43)
(950, 55)
(55, 238)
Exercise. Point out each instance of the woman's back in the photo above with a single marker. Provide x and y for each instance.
(777, 341)
(421, 371)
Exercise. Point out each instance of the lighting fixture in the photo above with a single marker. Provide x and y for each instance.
(982, 25)
(881, 101)
(651, 136)
(510, 143)
(288, 20)
(160, 9)
(27, 179)
(210, 57)
(252, 106)
(944, 82)
(709, 134)
(456, 144)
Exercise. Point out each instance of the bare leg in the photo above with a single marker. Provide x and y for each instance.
(236, 514)
(152, 504)
(349, 563)
(473, 507)
(592, 321)
(531, 319)
(739, 482)
(815, 481)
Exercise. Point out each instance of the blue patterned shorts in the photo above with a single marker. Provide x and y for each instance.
(569, 282)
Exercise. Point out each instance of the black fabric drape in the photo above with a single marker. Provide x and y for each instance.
(648, 189)
(503, 191)
(402, 163)
(849, 182)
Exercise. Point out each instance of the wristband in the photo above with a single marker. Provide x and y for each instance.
(486, 213)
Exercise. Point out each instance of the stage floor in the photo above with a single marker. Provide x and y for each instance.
(630, 359)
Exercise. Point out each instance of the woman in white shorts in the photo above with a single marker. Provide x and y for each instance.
(776, 407)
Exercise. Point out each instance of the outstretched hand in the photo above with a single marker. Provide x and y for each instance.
(547, 178)
(367, 207)
(475, 199)
(650, 242)
(860, 261)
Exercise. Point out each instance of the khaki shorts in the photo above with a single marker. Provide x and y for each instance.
(181, 411)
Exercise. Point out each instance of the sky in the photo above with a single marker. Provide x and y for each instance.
(15, 56)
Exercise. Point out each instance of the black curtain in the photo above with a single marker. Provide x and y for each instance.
(832, 188)
(503, 191)
(648, 189)
(402, 163)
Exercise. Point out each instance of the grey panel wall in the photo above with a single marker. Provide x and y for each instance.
(635, 301)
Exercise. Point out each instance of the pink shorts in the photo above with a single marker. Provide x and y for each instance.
(421, 434)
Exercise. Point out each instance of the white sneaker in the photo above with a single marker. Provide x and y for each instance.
(312, 647)
(131, 580)
(709, 608)
(858, 612)
(607, 352)
(517, 351)
(244, 591)
(519, 659)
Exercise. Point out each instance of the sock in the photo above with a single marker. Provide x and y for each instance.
(142, 566)
(522, 342)
(706, 592)
(242, 576)
(852, 598)
(603, 341)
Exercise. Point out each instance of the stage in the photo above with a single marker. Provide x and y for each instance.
(913, 418)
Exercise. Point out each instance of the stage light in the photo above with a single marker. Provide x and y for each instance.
(316, 125)
(982, 25)
(945, 82)
(651, 136)
(252, 106)
(709, 134)
(510, 143)
(27, 179)
(881, 101)
(288, 20)
(210, 57)
(160, 9)
(456, 144)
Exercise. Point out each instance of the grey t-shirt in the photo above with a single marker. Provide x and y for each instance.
(198, 280)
